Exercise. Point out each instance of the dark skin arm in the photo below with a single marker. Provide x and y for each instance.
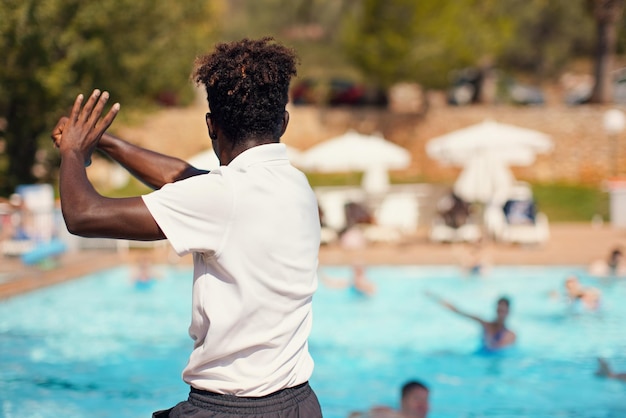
(86, 212)
(150, 167)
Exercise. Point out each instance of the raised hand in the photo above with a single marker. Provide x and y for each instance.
(80, 132)
(439, 300)
(57, 132)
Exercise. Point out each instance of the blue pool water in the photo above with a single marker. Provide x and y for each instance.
(101, 347)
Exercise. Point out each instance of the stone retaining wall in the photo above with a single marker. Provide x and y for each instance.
(583, 152)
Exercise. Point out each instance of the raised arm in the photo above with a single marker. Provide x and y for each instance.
(150, 167)
(604, 370)
(454, 309)
(462, 313)
(85, 211)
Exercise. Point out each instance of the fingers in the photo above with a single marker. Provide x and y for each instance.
(86, 123)
(95, 106)
(76, 108)
(57, 132)
(92, 110)
(89, 115)
(108, 119)
(86, 113)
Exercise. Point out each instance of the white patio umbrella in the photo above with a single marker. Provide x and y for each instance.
(483, 178)
(501, 139)
(486, 151)
(353, 151)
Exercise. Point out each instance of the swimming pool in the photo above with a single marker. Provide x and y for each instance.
(101, 347)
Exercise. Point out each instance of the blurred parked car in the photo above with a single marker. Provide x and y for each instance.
(465, 86)
(579, 88)
(345, 92)
(336, 92)
(619, 86)
(523, 94)
(469, 84)
(306, 92)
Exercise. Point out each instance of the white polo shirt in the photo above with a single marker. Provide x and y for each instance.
(253, 228)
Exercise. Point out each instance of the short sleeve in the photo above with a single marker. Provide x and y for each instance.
(195, 213)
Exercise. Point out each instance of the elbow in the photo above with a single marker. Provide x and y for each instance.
(74, 226)
(77, 222)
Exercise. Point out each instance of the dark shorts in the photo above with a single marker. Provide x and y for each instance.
(296, 402)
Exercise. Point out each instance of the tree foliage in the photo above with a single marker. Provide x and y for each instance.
(141, 50)
(422, 41)
(548, 34)
(393, 40)
(54, 49)
(607, 15)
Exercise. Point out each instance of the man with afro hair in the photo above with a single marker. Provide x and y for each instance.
(252, 226)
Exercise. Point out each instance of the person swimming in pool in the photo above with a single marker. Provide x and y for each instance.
(496, 335)
(143, 275)
(604, 370)
(359, 283)
(414, 403)
(588, 297)
(613, 266)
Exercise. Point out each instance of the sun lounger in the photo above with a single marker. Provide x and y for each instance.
(440, 232)
(530, 233)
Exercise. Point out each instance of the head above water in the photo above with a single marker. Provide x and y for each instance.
(615, 257)
(572, 284)
(414, 399)
(502, 307)
(247, 86)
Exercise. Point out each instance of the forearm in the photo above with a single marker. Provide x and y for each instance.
(86, 212)
(150, 167)
(89, 214)
(79, 199)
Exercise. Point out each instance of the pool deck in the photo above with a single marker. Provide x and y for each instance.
(569, 244)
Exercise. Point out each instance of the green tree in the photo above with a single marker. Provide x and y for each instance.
(547, 35)
(396, 40)
(139, 50)
(607, 15)
(378, 37)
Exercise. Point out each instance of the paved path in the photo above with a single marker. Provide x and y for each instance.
(570, 244)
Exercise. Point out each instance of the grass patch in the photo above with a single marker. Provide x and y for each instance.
(355, 178)
(571, 203)
(334, 179)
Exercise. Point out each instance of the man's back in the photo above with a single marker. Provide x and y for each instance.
(255, 237)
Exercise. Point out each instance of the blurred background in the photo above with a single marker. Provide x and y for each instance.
(406, 70)
(416, 121)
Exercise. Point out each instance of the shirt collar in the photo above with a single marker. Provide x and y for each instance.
(260, 154)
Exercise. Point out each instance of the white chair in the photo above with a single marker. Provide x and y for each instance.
(537, 233)
(332, 203)
(400, 211)
(525, 234)
(440, 232)
(396, 217)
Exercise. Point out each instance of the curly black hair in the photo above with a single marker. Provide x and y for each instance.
(247, 85)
